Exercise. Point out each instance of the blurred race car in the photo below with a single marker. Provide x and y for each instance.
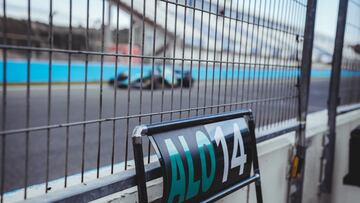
(157, 79)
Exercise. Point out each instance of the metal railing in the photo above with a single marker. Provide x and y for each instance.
(344, 83)
(163, 59)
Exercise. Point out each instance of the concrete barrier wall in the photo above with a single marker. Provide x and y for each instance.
(274, 157)
(344, 193)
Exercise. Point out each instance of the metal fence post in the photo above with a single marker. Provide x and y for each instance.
(139, 163)
(334, 100)
(297, 170)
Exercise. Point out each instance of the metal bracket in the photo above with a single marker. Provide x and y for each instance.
(138, 132)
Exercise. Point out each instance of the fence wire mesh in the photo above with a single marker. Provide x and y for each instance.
(350, 77)
(77, 76)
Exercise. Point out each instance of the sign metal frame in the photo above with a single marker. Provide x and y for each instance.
(153, 129)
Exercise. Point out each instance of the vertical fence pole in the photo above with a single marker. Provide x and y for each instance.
(334, 100)
(139, 166)
(297, 170)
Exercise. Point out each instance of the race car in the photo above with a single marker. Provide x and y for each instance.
(162, 75)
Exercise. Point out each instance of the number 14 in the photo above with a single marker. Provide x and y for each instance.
(235, 160)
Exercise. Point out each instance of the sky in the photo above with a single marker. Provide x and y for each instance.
(326, 17)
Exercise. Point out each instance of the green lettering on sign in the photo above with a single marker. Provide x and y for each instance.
(193, 186)
(177, 184)
(203, 141)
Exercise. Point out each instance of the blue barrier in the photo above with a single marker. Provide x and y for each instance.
(39, 71)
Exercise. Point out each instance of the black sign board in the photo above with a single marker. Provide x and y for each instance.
(202, 158)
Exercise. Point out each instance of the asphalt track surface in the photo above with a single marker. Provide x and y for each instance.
(16, 118)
